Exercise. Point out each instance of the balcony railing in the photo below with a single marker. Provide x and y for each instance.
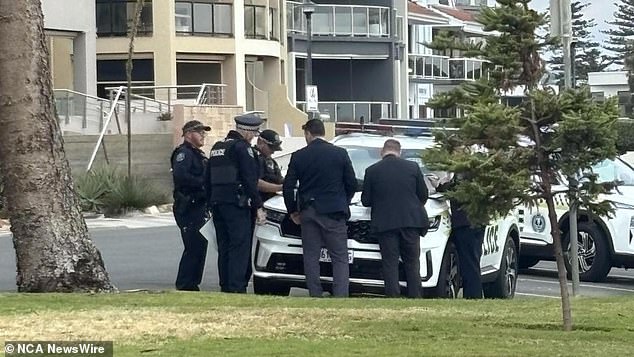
(445, 68)
(341, 20)
(353, 111)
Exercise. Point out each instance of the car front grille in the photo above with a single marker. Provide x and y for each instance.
(357, 230)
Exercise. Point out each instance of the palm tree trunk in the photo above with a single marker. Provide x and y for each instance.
(53, 250)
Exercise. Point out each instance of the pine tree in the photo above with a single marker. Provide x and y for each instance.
(499, 149)
(622, 30)
(588, 57)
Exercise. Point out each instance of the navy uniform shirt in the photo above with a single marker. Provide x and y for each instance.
(188, 169)
(270, 172)
(244, 158)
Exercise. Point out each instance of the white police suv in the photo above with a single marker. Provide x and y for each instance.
(604, 242)
(277, 254)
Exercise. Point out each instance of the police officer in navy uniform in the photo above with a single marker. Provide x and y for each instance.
(188, 164)
(271, 178)
(233, 197)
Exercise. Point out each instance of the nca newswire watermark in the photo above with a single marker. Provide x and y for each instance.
(59, 348)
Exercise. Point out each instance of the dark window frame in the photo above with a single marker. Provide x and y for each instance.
(111, 6)
(213, 32)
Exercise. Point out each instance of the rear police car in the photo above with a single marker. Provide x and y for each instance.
(278, 262)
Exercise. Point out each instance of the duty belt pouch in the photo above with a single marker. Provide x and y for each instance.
(243, 199)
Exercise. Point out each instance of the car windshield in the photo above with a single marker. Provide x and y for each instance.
(615, 170)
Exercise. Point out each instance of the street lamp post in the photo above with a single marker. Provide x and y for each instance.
(308, 9)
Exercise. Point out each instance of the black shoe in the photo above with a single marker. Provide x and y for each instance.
(193, 288)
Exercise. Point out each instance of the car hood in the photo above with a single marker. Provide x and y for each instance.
(434, 207)
(622, 194)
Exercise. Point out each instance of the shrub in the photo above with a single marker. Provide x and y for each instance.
(107, 190)
(130, 193)
(165, 116)
(625, 140)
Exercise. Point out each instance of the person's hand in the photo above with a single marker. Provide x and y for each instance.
(260, 216)
(295, 217)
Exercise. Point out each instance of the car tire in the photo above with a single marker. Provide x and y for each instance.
(594, 250)
(449, 280)
(528, 262)
(263, 286)
(503, 287)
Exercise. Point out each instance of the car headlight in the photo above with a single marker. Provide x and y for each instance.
(618, 205)
(274, 216)
(434, 223)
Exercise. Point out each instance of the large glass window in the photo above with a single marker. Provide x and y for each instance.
(115, 16)
(112, 73)
(254, 21)
(274, 29)
(343, 20)
(203, 17)
(360, 21)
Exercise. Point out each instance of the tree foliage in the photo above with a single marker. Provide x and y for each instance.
(517, 155)
(621, 32)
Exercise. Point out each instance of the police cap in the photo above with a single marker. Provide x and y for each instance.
(248, 122)
(195, 125)
(272, 139)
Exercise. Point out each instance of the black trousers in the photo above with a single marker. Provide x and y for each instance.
(192, 263)
(404, 242)
(468, 243)
(319, 230)
(234, 235)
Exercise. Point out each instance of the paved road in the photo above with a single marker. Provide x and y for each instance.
(147, 258)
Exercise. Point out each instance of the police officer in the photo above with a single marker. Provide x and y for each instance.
(271, 178)
(188, 164)
(234, 197)
(468, 239)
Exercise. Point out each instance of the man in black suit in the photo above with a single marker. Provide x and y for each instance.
(395, 190)
(322, 205)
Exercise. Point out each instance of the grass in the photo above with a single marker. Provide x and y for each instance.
(208, 324)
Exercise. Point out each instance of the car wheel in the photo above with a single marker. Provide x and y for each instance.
(528, 262)
(449, 280)
(503, 287)
(594, 253)
(263, 286)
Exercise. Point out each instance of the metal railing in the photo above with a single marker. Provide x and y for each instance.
(105, 127)
(72, 105)
(160, 99)
(340, 20)
(349, 111)
(210, 94)
(443, 67)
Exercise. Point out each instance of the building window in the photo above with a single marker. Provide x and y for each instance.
(273, 27)
(254, 21)
(112, 73)
(203, 18)
(114, 17)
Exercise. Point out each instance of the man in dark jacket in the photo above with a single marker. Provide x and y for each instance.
(322, 206)
(395, 190)
(188, 164)
(468, 240)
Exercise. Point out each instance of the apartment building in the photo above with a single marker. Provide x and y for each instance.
(234, 44)
(357, 50)
(69, 26)
(432, 71)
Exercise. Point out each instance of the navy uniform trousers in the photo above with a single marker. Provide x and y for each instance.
(469, 246)
(192, 264)
(234, 236)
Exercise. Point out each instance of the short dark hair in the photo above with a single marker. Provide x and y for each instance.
(391, 145)
(315, 127)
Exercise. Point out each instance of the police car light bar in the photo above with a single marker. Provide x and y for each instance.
(389, 127)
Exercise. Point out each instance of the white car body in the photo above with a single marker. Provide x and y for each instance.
(604, 242)
(278, 246)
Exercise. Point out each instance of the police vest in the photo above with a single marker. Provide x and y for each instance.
(223, 168)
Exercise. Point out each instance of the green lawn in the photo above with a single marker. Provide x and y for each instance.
(208, 324)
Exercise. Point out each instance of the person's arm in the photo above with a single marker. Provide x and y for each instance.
(268, 187)
(349, 178)
(421, 188)
(288, 187)
(366, 195)
(248, 171)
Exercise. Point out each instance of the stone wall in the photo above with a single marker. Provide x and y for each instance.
(218, 117)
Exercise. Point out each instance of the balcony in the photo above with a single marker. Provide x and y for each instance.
(433, 67)
(349, 111)
(341, 20)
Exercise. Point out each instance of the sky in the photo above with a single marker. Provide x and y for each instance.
(600, 10)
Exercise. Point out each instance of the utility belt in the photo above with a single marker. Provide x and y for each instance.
(184, 202)
(230, 194)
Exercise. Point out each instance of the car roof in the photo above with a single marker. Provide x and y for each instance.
(377, 141)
